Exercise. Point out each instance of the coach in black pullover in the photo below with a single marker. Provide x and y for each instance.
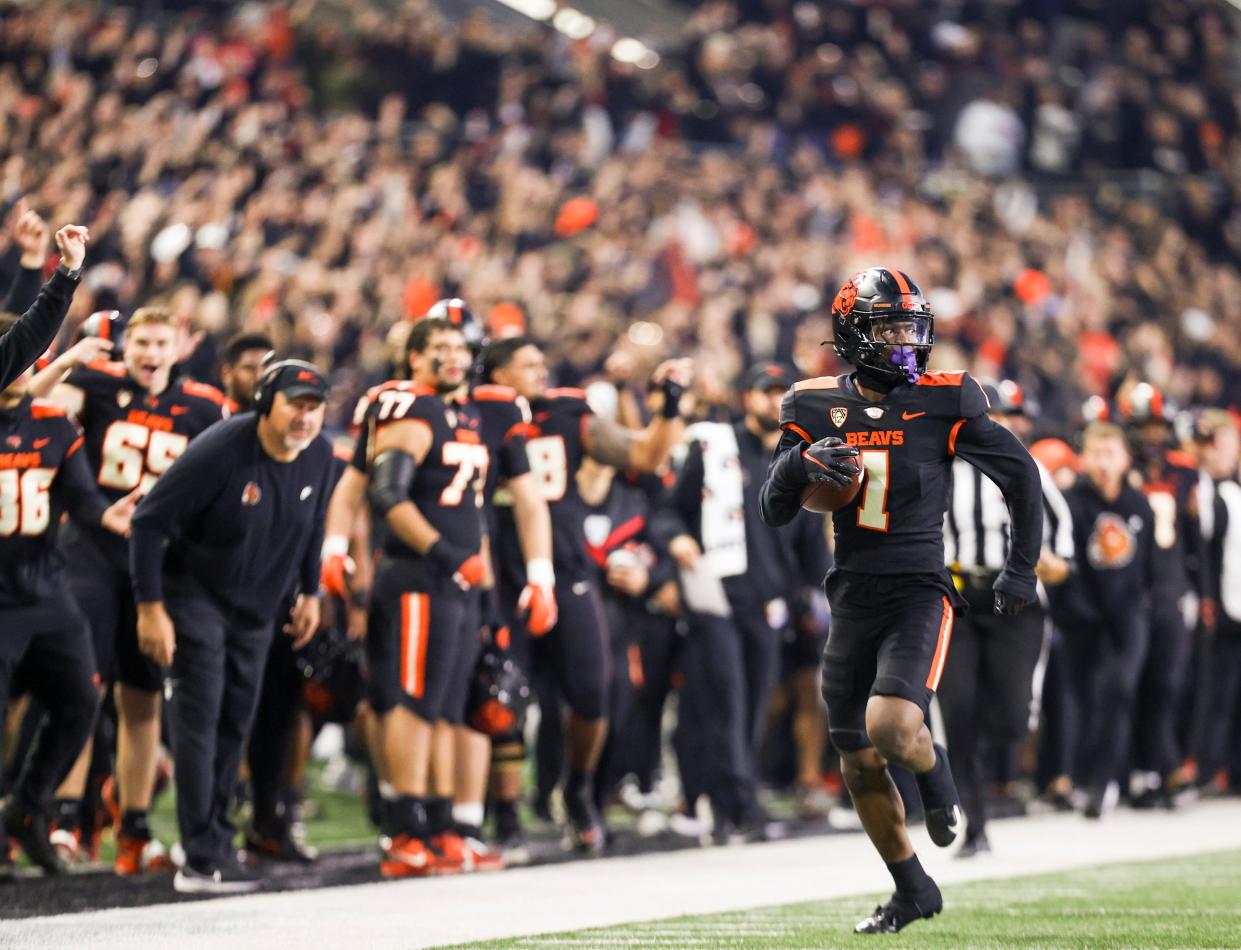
(215, 546)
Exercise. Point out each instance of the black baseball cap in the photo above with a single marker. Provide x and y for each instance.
(770, 375)
(300, 379)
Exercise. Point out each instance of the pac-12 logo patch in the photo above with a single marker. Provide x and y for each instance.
(839, 415)
(251, 494)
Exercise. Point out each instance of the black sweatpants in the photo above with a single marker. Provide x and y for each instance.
(1104, 668)
(986, 688)
(217, 671)
(730, 665)
(50, 642)
(279, 700)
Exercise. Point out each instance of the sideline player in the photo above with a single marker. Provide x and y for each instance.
(136, 420)
(1168, 477)
(892, 600)
(427, 466)
(576, 650)
(43, 474)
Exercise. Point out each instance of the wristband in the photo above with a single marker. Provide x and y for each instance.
(334, 545)
(540, 573)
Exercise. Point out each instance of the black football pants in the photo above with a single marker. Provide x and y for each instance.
(986, 688)
(1155, 740)
(217, 671)
(50, 643)
(657, 645)
(1222, 702)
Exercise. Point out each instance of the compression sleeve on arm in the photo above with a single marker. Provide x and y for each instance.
(392, 474)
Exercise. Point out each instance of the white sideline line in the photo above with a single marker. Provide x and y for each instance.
(428, 913)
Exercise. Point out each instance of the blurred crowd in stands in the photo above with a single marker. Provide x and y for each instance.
(1060, 177)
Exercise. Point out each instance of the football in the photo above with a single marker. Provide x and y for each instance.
(824, 497)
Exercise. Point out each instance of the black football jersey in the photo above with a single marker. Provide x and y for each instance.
(506, 421)
(556, 446)
(43, 474)
(132, 437)
(906, 443)
(1170, 486)
(448, 486)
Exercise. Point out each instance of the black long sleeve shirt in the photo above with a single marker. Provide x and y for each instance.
(779, 560)
(37, 328)
(24, 290)
(244, 525)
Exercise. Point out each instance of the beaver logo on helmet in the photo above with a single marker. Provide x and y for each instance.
(846, 297)
(881, 323)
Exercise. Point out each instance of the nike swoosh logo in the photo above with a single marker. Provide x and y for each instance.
(912, 415)
(39, 443)
(180, 410)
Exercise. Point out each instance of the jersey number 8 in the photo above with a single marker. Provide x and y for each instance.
(549, 463)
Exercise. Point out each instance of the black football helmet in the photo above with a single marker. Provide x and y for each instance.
(333, 676)
(1142, 403)
(881, 322)
(107, 325)
(456, 312)
(1008, 398)
(499, 694)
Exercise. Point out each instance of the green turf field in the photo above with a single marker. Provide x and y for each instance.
(1187, 902)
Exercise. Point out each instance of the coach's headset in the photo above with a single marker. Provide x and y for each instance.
(269, 382)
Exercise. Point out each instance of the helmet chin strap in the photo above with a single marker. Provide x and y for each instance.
(871, 380)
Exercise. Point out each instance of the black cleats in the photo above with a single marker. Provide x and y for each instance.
(587, 835)
(940, 802)
(29, 828)
(901, 911)
(974, 846)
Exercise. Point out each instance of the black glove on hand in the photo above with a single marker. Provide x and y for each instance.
(1013, 593)
(830, 460)
(1009, 605)
(673, 391)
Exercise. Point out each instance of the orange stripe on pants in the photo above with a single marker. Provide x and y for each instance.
(941, 648)
(415, 609)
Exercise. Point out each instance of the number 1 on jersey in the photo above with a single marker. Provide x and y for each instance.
(873, 512)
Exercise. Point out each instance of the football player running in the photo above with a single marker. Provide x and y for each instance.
(892, 600)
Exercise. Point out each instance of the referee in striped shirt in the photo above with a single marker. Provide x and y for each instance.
(988, 680)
